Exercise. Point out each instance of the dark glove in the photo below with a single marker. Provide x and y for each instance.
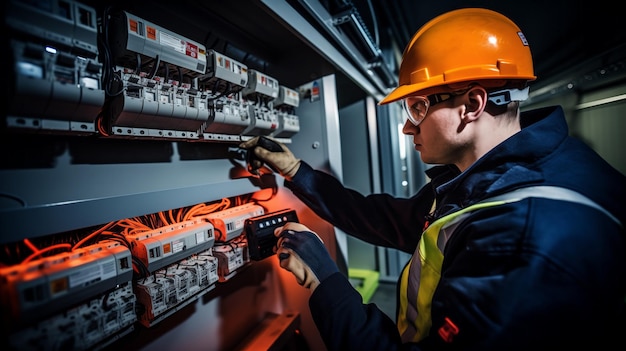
(303, 253)
(282, 161)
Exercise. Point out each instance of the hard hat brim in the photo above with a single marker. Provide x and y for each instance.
(398, 93)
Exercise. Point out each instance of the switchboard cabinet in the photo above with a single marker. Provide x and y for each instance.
(109, 122)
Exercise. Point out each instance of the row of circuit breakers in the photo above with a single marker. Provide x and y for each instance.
(91, 296)
(143, 81)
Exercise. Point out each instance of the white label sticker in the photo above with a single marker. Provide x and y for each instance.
(176, 44)
(178, 245)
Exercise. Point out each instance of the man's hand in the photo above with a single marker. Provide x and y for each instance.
(302, 252)
(284, 162)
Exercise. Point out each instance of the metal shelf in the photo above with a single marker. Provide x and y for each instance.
(77, 191)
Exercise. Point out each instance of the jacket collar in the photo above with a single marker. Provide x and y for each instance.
(509, 165)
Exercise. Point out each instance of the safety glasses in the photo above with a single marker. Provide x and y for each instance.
(417, 106)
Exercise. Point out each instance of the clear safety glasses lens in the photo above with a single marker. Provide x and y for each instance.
(416, 108)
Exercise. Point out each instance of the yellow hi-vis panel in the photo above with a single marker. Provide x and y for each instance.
(429, 264)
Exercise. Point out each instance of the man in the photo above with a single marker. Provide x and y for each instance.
(518, 241)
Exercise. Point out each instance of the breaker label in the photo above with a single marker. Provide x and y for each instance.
(171, 41)
(178, 246)
(92, 274)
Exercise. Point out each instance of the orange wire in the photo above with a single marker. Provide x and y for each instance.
(99, 124)
(49, 248)
(179, 215)
(191, 213)
(163, 218)
(104, 227)
(30, 245)
(135, 226)
(171, 215)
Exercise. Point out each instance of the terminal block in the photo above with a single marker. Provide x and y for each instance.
(163, 246)
(93, 324)
(224, 75)
(229, 223)
(131, 35)
(231, 257)
(57, 82)
(228, 118)
(285, 105)
(229, 115)
(44, 287)
(260, 85)
(261, 89)
(150, 103)
(264, 121)
(286, 98)
(173, 287)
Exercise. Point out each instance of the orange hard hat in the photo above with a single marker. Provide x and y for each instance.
(465, 45)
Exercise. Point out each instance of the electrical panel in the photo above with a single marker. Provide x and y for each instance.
(94, 294)
(116, 74)
(57, 76)
(104, 72)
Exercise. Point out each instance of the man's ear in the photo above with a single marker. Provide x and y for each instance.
(475, 103)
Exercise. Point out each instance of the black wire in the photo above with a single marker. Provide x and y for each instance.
(143, 271)
(109, 75)
(119, 237)
(229, 89)
(138, 63)
(106, 51)
(155, 67)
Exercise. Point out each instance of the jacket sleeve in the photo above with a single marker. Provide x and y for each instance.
(345, 323)
(378, 219)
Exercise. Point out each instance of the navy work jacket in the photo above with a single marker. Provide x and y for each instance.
(538, 274)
